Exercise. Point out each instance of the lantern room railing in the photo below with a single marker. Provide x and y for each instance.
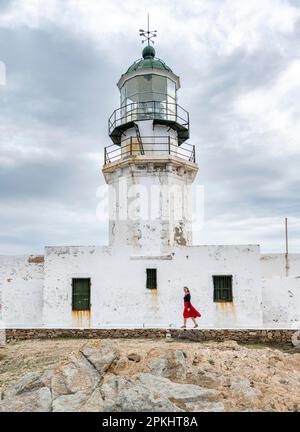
(149, 146)
(162, 112)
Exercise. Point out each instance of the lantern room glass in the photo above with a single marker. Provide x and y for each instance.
(149, 95)
(150, 87)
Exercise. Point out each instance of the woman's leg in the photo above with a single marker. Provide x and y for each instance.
(184, 323)
(195, 322)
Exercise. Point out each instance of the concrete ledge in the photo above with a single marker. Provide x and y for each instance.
(256, 336)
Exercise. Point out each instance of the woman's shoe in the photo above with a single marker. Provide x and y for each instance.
(184, 327)
(196, 325)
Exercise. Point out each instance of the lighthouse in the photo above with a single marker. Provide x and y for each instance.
(150, 166)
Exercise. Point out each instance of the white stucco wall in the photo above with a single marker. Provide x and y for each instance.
(281, 290)
(120, 298)
(21, 288)
(119, 295)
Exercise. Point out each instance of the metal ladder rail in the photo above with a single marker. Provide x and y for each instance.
(138, 135)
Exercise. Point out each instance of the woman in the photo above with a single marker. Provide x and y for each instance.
(189, 311)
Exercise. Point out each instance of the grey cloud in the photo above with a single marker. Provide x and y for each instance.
(61, 90)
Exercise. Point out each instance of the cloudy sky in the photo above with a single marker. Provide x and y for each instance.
(239, 63)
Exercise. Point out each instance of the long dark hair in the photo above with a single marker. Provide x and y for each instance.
(187, 289)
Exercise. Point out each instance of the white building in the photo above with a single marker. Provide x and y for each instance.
(137, 279)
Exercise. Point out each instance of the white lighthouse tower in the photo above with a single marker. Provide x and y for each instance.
(149, 167)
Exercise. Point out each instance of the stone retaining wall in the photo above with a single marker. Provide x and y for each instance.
(254, 336)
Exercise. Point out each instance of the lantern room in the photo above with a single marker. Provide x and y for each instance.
(148, 91)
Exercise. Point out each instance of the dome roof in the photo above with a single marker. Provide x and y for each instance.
(148, 61)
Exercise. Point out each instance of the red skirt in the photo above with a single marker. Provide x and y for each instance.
(191, 313)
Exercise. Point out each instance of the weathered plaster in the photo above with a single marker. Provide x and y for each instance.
(119, 295)
(21, 290)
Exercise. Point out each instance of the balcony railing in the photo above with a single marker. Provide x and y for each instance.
(162, 112)
(149, 146)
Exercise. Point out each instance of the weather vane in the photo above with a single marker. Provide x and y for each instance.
(147, 34)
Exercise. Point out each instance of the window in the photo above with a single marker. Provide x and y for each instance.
(151, 279)
(150, 87)
(81, 294)
(222, 288)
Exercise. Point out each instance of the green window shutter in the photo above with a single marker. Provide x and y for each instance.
(81, 294)
(151, 282)
(222, 288)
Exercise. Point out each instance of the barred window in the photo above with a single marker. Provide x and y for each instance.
(81, 294)
(151, 282)
(222, 288)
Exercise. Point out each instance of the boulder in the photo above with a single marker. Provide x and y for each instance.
(77, 375)
(134, 357)
(101, 354)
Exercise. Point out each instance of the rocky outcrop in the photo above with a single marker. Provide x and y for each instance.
(105, 376)
(85, 382)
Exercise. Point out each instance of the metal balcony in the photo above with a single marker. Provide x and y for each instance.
(170, 114)
(145, 146)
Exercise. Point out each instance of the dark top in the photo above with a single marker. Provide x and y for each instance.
(187, 298)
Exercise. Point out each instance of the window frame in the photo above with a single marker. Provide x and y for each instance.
(75, 308)
(218, 292)
(150, 278)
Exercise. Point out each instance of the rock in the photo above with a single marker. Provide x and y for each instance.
(122, 395)
(78, 375)
(97, 378)
(196, 360)
(30, 401)
(94, 403)
(296, 339)
(101, 354)
(134, 357)
(206, 407)
(206, 379)
(169, 338)
(229, 344)
(44, 400)
(171, 364)
(70, 402)
(244, 386)
(189, 335)
(29, 382)
(175, 391)
(146, 392)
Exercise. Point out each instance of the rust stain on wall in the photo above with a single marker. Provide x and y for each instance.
(81, 318)
(154, 301)
(36, 259)
(226, 308)
(154, 294)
